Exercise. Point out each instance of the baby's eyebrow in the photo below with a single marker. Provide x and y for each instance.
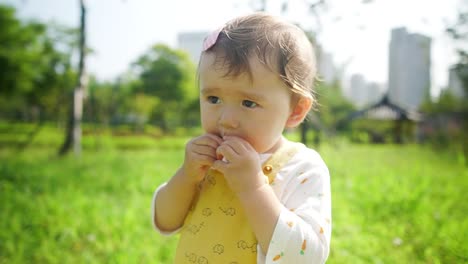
(253, 96)
(209, 90)
(257, 97)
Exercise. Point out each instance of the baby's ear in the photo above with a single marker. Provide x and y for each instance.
(299, 111)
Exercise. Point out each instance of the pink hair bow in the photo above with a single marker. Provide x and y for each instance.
(211, 39)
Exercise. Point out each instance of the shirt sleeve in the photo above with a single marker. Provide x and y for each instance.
(303, 231)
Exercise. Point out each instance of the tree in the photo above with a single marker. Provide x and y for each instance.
(314, 8)
(168, 75)
(73, 131)
(33, 71)
(459, 33)
(332, 105)
(446, 103)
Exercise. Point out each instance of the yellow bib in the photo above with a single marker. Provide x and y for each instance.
(216, 229)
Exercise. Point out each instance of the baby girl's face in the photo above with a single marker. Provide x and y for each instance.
(256, 110)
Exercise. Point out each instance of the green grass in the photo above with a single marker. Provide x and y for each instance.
(397, 204)
(91, 210)
(391, 204)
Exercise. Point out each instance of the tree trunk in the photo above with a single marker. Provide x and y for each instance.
(39, 120)
(73, 130)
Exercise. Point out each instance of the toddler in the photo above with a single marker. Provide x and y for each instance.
(244, 193)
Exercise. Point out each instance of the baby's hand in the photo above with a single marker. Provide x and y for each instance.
(200, 153)
(241, 165)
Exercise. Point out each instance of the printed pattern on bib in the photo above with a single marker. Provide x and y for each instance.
(216, 229)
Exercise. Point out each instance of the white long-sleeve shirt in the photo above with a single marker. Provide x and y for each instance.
(303, 231)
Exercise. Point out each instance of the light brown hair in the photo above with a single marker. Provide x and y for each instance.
(283, 47)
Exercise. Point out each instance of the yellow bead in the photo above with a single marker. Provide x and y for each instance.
(267, 169)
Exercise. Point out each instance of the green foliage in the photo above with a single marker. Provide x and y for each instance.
(449, 114)
(166, 73)
(375, 131)
(446, 103)
(159, 89)
(35, 68)
(37, 77)
(458, 31)
(391, 204)
(332, 105)
(101, 101)
(169, 75)
(19, 46)
(449, 108)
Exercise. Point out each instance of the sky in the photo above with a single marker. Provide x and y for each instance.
(356, 34)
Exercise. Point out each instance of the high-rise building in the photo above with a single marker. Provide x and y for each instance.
(192, 43)
(409, 68)
(358, 91)
(363, 93)
(374, 92)
(326, 68)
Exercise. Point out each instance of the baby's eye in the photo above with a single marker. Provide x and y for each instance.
(213, 99)
(249, 104)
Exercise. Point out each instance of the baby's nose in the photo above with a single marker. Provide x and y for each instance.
(229, 119)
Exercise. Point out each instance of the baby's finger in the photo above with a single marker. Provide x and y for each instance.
(208, 140)
(214, 137)
(204, 150)
(239, 145)
(226, 151)
(204, 159)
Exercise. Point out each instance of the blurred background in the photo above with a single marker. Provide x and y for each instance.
(97, 100)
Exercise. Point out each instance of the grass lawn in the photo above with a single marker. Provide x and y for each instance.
(391, 204)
